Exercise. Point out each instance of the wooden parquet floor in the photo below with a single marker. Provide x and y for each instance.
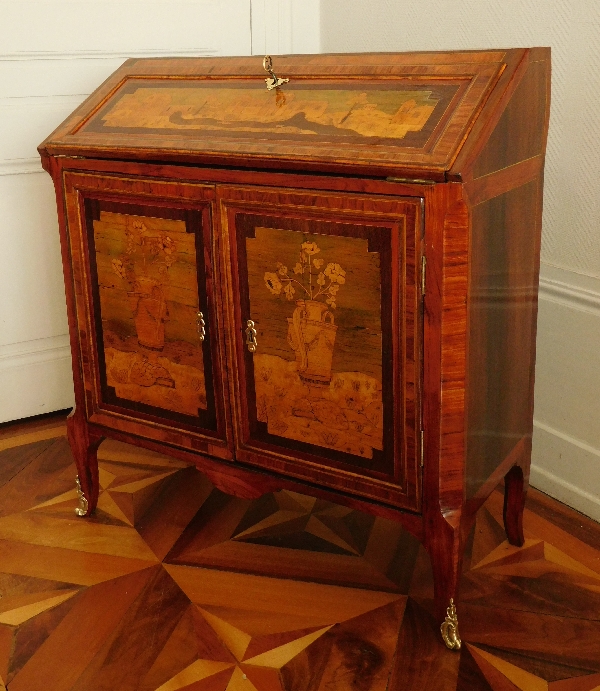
(173, 586)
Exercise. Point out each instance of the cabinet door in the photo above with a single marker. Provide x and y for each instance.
(325, 348)
(146, 310)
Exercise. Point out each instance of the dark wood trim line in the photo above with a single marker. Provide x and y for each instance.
(501, 181)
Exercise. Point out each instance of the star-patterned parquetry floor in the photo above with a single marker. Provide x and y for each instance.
(173, 586)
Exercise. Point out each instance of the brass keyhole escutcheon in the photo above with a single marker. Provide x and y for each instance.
(251, 336)
(273, 81)
(201, 325)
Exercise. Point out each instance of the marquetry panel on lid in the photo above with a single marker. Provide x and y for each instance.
(146, 301)
(392, 114)
(326, 339)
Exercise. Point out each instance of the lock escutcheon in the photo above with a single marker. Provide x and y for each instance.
(251, 336)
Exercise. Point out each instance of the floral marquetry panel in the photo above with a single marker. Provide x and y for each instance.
(331, 357)
(148, 305)
(319, 370)
(148, 285)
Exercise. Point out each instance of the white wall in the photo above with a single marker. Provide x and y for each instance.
(286, 26)
(53, 53)
(566, 452)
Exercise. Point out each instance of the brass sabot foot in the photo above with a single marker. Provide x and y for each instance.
(449, 628)
(82, 509)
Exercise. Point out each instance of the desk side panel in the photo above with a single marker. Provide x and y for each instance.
(504, 274)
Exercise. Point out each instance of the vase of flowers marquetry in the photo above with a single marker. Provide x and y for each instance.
(147, 300)
(311, 334)
(311, 329)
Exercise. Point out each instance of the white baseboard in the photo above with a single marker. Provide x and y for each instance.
(20, 166)
(566, 469)
(566, 437)
(35, 378)
(569, 288)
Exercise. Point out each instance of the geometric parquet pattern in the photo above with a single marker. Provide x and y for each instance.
(174, 586)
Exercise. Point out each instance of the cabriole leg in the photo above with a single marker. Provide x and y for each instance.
(84, 447)
(514, 504)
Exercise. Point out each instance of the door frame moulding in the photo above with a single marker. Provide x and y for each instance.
(285, 26)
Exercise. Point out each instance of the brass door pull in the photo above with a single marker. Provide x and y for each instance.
(200, 323)
(251, 336)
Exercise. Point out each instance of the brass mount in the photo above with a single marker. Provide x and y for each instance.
(82, 509)
(449, 628)
(273, 81)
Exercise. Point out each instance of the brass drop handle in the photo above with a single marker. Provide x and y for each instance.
(201, 325)
(251, 336)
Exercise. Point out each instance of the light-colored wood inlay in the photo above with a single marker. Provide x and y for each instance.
(524, 680)
(201, 669)
(30, 437)
(362, 111)
(112, 450)
(68, 566)
(239, 682)
(236, 640)
(280, 656)
(285, 605)
(80, 535)
(18, 615)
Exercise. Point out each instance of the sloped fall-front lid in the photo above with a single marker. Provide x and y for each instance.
(379, 113)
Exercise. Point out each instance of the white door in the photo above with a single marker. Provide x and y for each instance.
(53, 53)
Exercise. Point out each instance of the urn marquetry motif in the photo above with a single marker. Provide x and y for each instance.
(311, 334)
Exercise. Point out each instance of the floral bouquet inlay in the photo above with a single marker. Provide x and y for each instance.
(311, 329)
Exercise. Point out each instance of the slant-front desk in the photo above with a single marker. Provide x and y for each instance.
(316, 273)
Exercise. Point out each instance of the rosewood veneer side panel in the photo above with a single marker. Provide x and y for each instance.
(512, 126)
(522, 129)
(504, 188)
(502, 314)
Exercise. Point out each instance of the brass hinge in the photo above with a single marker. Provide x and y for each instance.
(422, 448)
(410, 181)
(423, 267)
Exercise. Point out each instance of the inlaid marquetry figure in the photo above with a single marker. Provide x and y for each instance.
(146, 271)
(360, 111)
(315, 274)
(326, 395)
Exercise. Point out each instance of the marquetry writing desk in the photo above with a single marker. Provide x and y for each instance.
(321, 277)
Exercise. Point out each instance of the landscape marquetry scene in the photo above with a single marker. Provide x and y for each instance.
(316, 302)
(149, 304)
(358, 112)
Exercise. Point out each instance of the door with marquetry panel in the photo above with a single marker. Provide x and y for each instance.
(324, 297)
(143, 272)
